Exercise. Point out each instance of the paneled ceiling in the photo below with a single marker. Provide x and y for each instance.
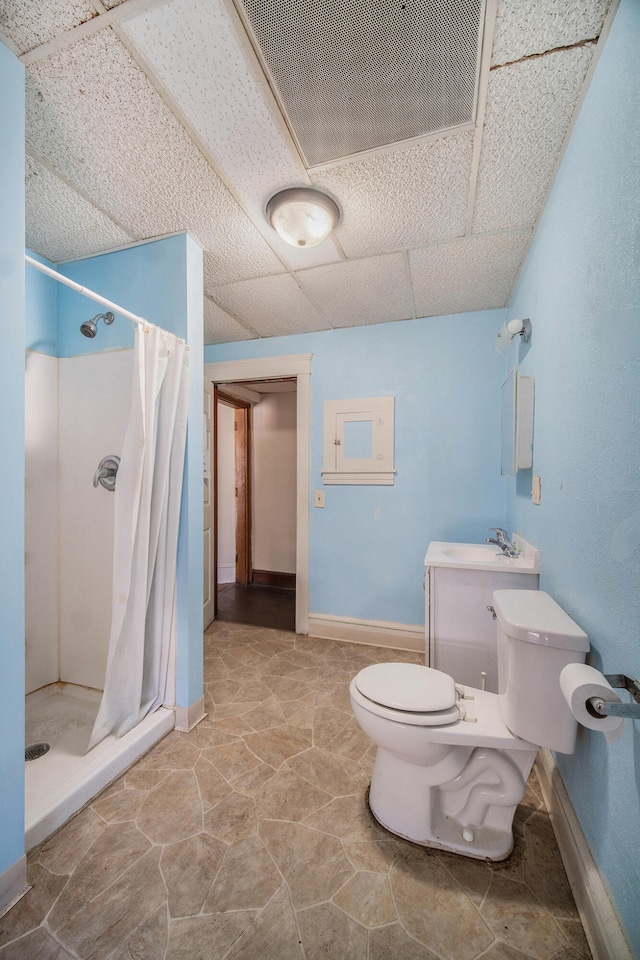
(150, 117)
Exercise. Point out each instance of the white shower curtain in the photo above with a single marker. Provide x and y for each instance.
(147, 515)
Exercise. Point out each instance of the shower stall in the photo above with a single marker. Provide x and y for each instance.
(76, 414)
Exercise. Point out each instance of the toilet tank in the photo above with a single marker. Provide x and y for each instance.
(536, 639)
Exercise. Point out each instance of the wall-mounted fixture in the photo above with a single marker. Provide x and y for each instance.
(517, 424)
(106, 473)
(303, 216)
(510, 330)
(90, 327)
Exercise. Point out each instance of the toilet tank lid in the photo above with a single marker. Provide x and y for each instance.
(534, 616)
(407, 686)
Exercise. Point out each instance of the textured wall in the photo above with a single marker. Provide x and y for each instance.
(147, 279)
(41, 299)
(581, 289)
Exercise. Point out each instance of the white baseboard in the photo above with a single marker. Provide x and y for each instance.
(374, 633)
(226, 572)
(188, 717)
(600, 920)
(13, 884)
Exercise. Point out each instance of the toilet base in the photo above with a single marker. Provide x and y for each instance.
(486, 845)
(471, 814)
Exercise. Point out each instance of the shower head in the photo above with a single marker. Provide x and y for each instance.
(90, 327)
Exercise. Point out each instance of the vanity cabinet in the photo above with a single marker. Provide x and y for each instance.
(460, 630)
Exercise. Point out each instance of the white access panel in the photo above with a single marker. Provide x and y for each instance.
(364, 455)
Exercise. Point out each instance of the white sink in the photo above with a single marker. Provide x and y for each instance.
(484, 556)
(474, 553)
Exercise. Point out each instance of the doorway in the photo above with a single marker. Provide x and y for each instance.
(255, 450)
(270, 368)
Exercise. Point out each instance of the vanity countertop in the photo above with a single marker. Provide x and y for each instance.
(483, 556)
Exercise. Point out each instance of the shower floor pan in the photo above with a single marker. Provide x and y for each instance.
(62, 781)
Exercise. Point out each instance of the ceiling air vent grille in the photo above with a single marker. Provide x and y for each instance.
(355, 76)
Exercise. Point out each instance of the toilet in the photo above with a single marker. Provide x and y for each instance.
(452, 762)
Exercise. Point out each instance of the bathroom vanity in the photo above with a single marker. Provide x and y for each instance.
(459, 621)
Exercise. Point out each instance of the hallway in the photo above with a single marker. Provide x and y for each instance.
(257, 605)
(250, 838)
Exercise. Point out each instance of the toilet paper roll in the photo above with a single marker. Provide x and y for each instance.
(579, 682)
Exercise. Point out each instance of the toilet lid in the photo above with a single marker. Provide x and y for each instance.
(407, 686)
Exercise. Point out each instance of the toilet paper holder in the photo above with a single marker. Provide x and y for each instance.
(603, 708)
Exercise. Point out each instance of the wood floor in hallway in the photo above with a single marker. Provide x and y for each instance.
(257, 605)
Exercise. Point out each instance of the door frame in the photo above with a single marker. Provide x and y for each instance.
(242, 456)
(296, 366)
(210, 547)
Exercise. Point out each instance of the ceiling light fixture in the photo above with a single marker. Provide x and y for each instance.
(303, 216)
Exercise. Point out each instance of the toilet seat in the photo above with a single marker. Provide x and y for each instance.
(419, 695)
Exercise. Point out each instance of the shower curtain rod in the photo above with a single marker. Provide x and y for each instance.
(85, 291)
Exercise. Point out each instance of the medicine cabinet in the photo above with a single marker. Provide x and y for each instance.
(358, 441)
(517, 424)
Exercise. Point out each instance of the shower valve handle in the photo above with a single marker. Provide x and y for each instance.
(105, 475)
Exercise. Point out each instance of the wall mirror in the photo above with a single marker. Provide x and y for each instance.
(517, 424)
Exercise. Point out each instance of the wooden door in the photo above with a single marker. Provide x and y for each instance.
(243, 495)
(209, 559)
(242, 477)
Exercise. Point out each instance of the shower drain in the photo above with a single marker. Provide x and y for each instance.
(36, 750)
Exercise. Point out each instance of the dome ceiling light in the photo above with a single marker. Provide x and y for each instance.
(302, 216)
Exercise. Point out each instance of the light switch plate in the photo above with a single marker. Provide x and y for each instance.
(318, 498)
(535, 490)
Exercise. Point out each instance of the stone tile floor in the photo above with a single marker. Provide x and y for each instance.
(249, 839)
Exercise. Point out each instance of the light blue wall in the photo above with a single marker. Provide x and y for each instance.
(148, 279)
(12, 455)
(367, 545)
(41, 332)
(581, 289)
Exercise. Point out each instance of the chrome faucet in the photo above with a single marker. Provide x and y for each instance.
(501, 540)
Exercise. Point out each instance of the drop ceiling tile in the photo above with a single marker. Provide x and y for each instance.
(93, 116)
(403, 198)
(475, 273)
(373, 290)
(28, 25)
(219, 327)
(86, 229)
(525, 27)
(529, 107)
(271, 306)
(193, 48)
